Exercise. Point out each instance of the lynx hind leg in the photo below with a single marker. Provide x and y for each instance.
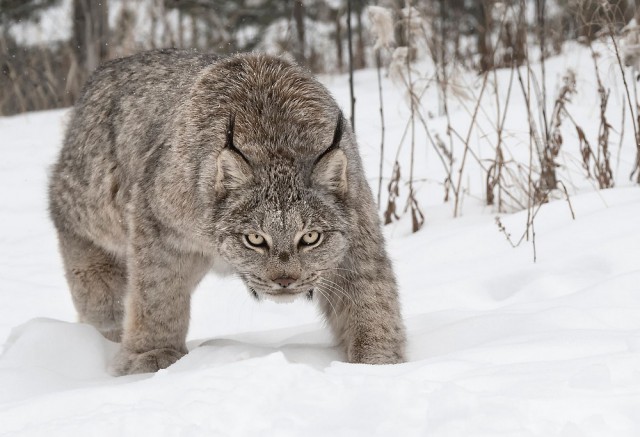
(97, 282)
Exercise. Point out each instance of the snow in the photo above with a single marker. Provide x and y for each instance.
(498, 345)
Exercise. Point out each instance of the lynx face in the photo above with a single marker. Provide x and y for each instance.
(280, 253)
(284, 223)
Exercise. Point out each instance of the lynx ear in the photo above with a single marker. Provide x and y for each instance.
(232, 167)
(330, 169)
(232, 171)
(330, 172)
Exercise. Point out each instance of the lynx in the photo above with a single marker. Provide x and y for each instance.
(174, 161)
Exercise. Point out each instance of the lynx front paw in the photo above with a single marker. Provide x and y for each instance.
(365, 354)
(128, 363)
(392, 358)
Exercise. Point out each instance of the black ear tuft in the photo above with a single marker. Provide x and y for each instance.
(233, 169)
(229, 138)
(330, 168)
(335, 143)
(337, 134)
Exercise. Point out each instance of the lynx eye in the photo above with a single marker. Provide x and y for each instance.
(255, 240)
(310, 238)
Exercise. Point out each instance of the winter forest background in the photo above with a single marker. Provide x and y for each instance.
(59, 52)
(439, 54)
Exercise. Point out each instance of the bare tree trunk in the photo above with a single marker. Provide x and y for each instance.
(90, 34)
(521, 35)
(339, 40)
(378, 68)
(298, 16)
(350, 46)
(153, 12)
(195, 34)
(180, 29)
(361, 62)
(442, 55)
(484, 30)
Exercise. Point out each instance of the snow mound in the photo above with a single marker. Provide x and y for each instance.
(497, 346)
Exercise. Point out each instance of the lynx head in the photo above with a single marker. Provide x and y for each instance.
(284, 221)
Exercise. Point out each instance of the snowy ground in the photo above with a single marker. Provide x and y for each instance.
(498, 345)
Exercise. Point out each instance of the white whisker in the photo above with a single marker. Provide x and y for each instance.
(348, 280)
(337, 288)
(328, 300)
(345, 272)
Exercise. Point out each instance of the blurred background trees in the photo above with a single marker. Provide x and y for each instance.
(49, 47)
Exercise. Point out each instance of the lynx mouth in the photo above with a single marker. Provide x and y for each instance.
(283, 296)
(280, 295)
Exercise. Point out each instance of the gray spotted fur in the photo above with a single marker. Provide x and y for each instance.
(147, 195)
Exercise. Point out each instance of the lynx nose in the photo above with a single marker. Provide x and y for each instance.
(284, 282)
